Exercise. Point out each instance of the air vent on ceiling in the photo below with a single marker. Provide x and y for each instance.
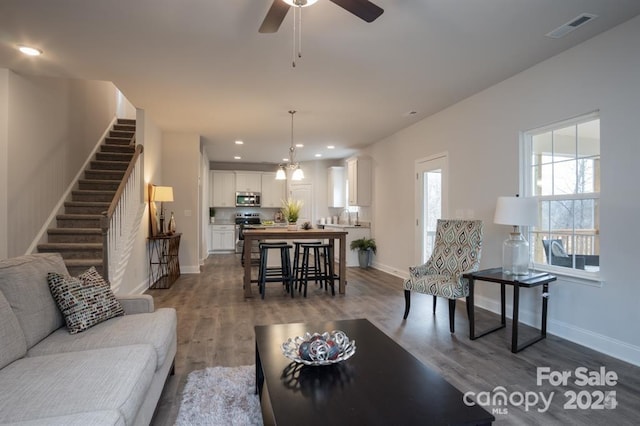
(576, 22)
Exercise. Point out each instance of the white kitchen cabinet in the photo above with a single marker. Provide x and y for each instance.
(359, 177)
(223, 237)
(273, 191)
(336, 187)
(354, 233)
(223, 189)
(248, 181)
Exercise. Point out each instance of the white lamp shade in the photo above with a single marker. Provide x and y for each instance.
(298, 174)
(516, 211)
(162, 193)
(281, 174)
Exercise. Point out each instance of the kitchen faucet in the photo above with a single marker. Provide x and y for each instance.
(348, 216)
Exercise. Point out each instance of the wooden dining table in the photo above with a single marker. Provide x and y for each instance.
(282, 233)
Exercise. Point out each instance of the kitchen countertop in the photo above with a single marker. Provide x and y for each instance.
(223, 222)
(344, 225)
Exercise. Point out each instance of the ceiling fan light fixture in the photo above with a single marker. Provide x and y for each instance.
(300, 3)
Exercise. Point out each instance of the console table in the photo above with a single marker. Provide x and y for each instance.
(164, 263)
(495, 275)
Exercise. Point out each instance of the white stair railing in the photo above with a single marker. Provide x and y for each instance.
(121, 221)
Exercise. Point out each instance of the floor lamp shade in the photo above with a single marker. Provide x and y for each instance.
(516, 211)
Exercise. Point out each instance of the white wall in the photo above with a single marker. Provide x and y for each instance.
(180, 169)
(481, 135)
(52, 125)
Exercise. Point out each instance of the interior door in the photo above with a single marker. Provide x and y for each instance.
(431, 202)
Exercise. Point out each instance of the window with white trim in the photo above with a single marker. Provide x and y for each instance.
(562, 170)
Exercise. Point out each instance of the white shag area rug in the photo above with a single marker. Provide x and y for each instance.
(220, 396)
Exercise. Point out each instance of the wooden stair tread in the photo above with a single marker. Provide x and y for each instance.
(70, 246)
(74, 231)
(83, 262)
(87, 203)
(98, 180)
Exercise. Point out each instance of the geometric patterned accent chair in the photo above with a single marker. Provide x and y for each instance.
(456, 251)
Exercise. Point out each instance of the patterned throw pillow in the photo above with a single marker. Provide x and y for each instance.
(85, 301)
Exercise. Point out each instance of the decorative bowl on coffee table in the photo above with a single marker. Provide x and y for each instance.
(319, 348)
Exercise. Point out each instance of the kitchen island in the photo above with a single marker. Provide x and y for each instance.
(280, 233)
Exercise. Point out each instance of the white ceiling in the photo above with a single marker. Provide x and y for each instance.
(200, 66)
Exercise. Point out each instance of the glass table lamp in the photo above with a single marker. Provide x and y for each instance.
(517, 212)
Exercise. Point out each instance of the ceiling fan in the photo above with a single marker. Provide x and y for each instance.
(363, 9)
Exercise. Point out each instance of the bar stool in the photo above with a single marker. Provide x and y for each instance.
(275, 274)
(322, 271)
(297, 262)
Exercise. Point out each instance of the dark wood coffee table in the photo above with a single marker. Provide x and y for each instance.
(382, 384)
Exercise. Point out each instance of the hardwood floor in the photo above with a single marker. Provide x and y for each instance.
(215, 328)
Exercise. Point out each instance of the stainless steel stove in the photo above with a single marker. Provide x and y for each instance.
(248, 219)
(243, 219)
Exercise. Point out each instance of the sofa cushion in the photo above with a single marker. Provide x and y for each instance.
(157, 329)
(84, 301)
(23, 281)
(93, 418)
(13, 345)
(75, 382)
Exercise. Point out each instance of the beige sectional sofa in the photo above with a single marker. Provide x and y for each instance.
(111, 374)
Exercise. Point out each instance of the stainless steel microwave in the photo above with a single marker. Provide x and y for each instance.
(248, 199)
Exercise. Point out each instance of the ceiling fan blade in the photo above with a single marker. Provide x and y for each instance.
(275, 16)
(363, 9)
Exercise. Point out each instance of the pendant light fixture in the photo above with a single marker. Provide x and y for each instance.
(292, 166)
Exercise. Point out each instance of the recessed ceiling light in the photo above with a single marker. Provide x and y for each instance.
(237, 157)
(331, 147)
(30, 51)
(286, 160)
(318, 155)
(239, 142)
(299, 145)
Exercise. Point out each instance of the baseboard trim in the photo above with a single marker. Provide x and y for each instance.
(598, 342)
(194, 269)
(390, 270)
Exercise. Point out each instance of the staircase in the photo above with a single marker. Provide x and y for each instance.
(78, 236)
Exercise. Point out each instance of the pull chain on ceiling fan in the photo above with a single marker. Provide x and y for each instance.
(363, 9)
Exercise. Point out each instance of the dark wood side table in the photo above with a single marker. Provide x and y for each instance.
(495, 275)
(164, 263)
